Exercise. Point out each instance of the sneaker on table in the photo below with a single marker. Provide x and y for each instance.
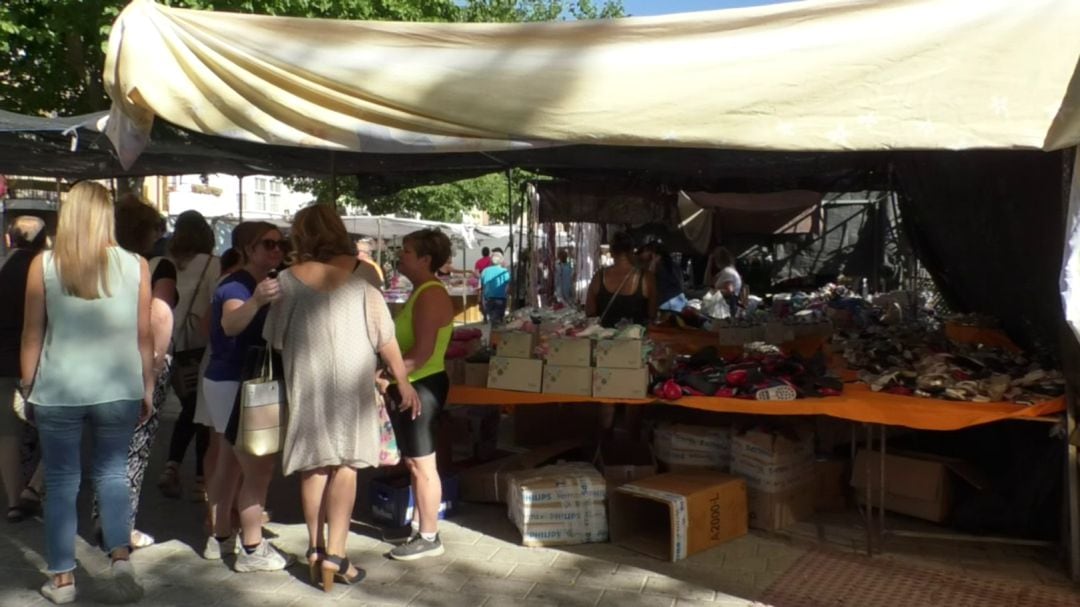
(264, 558)
(417, 548)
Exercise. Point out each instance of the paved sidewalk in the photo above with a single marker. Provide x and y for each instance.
(483, 566)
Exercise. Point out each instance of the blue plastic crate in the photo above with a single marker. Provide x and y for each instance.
(392, 499)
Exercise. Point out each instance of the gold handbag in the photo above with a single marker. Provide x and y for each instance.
(262, 412)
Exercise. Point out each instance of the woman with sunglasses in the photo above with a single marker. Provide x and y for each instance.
(237, 313)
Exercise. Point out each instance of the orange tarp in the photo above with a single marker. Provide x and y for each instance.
(857, 403)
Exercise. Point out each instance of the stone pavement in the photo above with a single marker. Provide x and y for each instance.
(483, 564)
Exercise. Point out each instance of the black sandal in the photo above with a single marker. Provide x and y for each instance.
(16, 514)
(330, 576)
(314, 567)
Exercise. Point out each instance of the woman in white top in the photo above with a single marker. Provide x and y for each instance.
(197, 271)
(87, 358)
(727, 279)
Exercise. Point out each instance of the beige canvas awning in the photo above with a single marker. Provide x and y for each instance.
(802, 76)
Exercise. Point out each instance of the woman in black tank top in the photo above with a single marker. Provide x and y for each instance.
(613, 303)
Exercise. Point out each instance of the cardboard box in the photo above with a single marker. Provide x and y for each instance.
(476, 374)
(487, 482)
(515, 344)
(539, 425)
(916, 484)
(687, 447)
(622, 462)
(569, 351)
(472, 432)
(567, 380)
(773, 462)
(520, 374)
(831, 485)
(558, 505)
(620, 383)
(671, 516)
(619, 353)
(772, 511)
(392, 499)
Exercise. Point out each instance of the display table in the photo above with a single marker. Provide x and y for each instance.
(857, 403)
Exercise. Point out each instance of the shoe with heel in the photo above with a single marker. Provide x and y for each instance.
(315, 566)
(340, 573)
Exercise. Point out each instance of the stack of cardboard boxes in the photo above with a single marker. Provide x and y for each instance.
(620, 370)
(779, 471)
(559, 505)
(578, 366)
(568, 368)
(513, 367)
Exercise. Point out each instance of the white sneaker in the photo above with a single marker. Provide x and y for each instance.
(61, 595)
(215, 550)
(124, 587)
(265, 558)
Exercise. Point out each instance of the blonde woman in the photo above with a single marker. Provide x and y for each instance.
(87, 358)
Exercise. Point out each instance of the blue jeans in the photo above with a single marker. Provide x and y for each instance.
(60, 430)
(496, 310)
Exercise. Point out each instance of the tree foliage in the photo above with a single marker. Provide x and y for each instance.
(52, 53)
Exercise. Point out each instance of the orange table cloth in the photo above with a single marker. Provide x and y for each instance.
(857, 403)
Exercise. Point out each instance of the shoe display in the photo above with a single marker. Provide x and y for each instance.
(417, 548)
(60, 595)
(264, 558)
(215, 550)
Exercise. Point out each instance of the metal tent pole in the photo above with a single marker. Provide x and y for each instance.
(240, 197)
(510, 243)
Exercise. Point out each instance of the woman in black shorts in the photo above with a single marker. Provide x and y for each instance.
(423, 329)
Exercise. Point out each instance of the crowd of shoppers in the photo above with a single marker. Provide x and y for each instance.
(93, 325)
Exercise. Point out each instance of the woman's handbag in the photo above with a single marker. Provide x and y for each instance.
(263, 406)
(186, 361)
(389, 454)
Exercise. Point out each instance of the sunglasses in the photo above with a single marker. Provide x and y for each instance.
(270, 244)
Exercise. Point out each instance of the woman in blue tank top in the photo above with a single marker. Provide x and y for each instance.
(87, 359)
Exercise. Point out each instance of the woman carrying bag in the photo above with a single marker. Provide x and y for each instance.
(331, 326)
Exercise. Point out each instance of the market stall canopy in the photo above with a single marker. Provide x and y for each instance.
(788, 212)
(396, 227)
(818, 75)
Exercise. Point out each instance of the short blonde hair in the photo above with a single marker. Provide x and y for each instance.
(85, 232)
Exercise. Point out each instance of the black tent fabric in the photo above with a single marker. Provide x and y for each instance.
(989, 226)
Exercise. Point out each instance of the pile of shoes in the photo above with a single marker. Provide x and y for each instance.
(910, 361)
(762, 373)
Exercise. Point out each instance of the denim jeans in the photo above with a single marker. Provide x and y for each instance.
(496, 310)
(60, 430)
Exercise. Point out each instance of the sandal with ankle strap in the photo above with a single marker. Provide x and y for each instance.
(330, 576)
(314, 566)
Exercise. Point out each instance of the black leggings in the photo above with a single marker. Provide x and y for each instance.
(186, 429)
(416, 437)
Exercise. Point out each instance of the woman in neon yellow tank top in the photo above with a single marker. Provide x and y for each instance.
(423, 329)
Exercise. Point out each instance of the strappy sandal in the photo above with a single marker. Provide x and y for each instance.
(314, 566)
(330, 576)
